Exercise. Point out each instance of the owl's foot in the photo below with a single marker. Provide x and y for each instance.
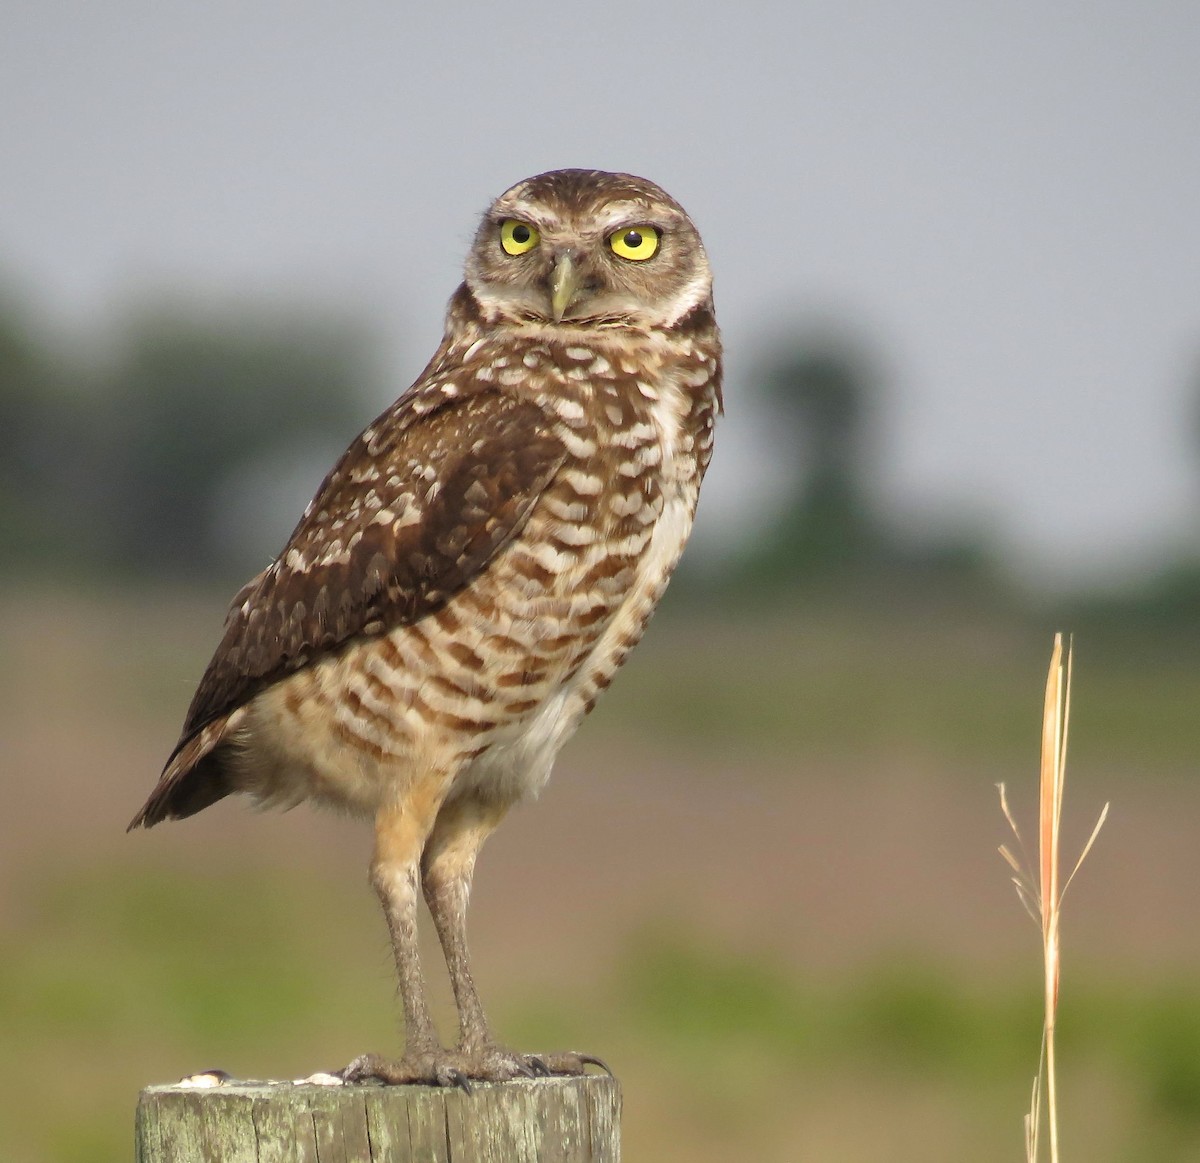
(490, 1063)
(438, 1067)
(565, 1062)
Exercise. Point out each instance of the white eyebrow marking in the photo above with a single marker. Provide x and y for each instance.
(630, 213)
(541, 216)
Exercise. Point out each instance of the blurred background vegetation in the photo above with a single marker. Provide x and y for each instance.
(763, 884)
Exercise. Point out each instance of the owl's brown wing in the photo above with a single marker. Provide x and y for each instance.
(416, 507)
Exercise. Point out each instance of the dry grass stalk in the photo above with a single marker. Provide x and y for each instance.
(1042, 894)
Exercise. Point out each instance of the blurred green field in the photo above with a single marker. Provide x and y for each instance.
(723, 1053)
(953, 684)
(763, 885)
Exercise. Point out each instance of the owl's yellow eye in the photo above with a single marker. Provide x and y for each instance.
(634, 242)
(517, 237)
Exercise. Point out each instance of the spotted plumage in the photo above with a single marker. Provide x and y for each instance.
(476, 567)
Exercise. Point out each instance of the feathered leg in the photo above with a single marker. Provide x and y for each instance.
(446, 871)
(447, 867)
(401, 831)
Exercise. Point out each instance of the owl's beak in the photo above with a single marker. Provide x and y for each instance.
(564, 283)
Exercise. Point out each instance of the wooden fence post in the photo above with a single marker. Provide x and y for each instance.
(543, 1120)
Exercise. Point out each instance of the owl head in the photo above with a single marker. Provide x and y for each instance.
(584, 248)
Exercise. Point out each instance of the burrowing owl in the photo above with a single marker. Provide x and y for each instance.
(474, 570)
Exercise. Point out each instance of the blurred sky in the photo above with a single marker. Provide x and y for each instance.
(1000, 200)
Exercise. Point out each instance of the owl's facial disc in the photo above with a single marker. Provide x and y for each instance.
(582, 248)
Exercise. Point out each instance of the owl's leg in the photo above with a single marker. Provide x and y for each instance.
(447, 867)
(401, 830)
(446, 871)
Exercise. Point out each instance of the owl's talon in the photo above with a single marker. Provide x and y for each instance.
(367, 1066)
(591, 1060)
(459, 1079)
(566, 1062)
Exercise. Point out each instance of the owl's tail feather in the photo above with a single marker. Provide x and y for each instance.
(195, 777)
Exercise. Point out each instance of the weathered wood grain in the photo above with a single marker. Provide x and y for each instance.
(545, 1120)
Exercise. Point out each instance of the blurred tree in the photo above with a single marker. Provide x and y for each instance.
(190, 402)
(824, 401)
(822, 397)
(120, 463)
(30, 402)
